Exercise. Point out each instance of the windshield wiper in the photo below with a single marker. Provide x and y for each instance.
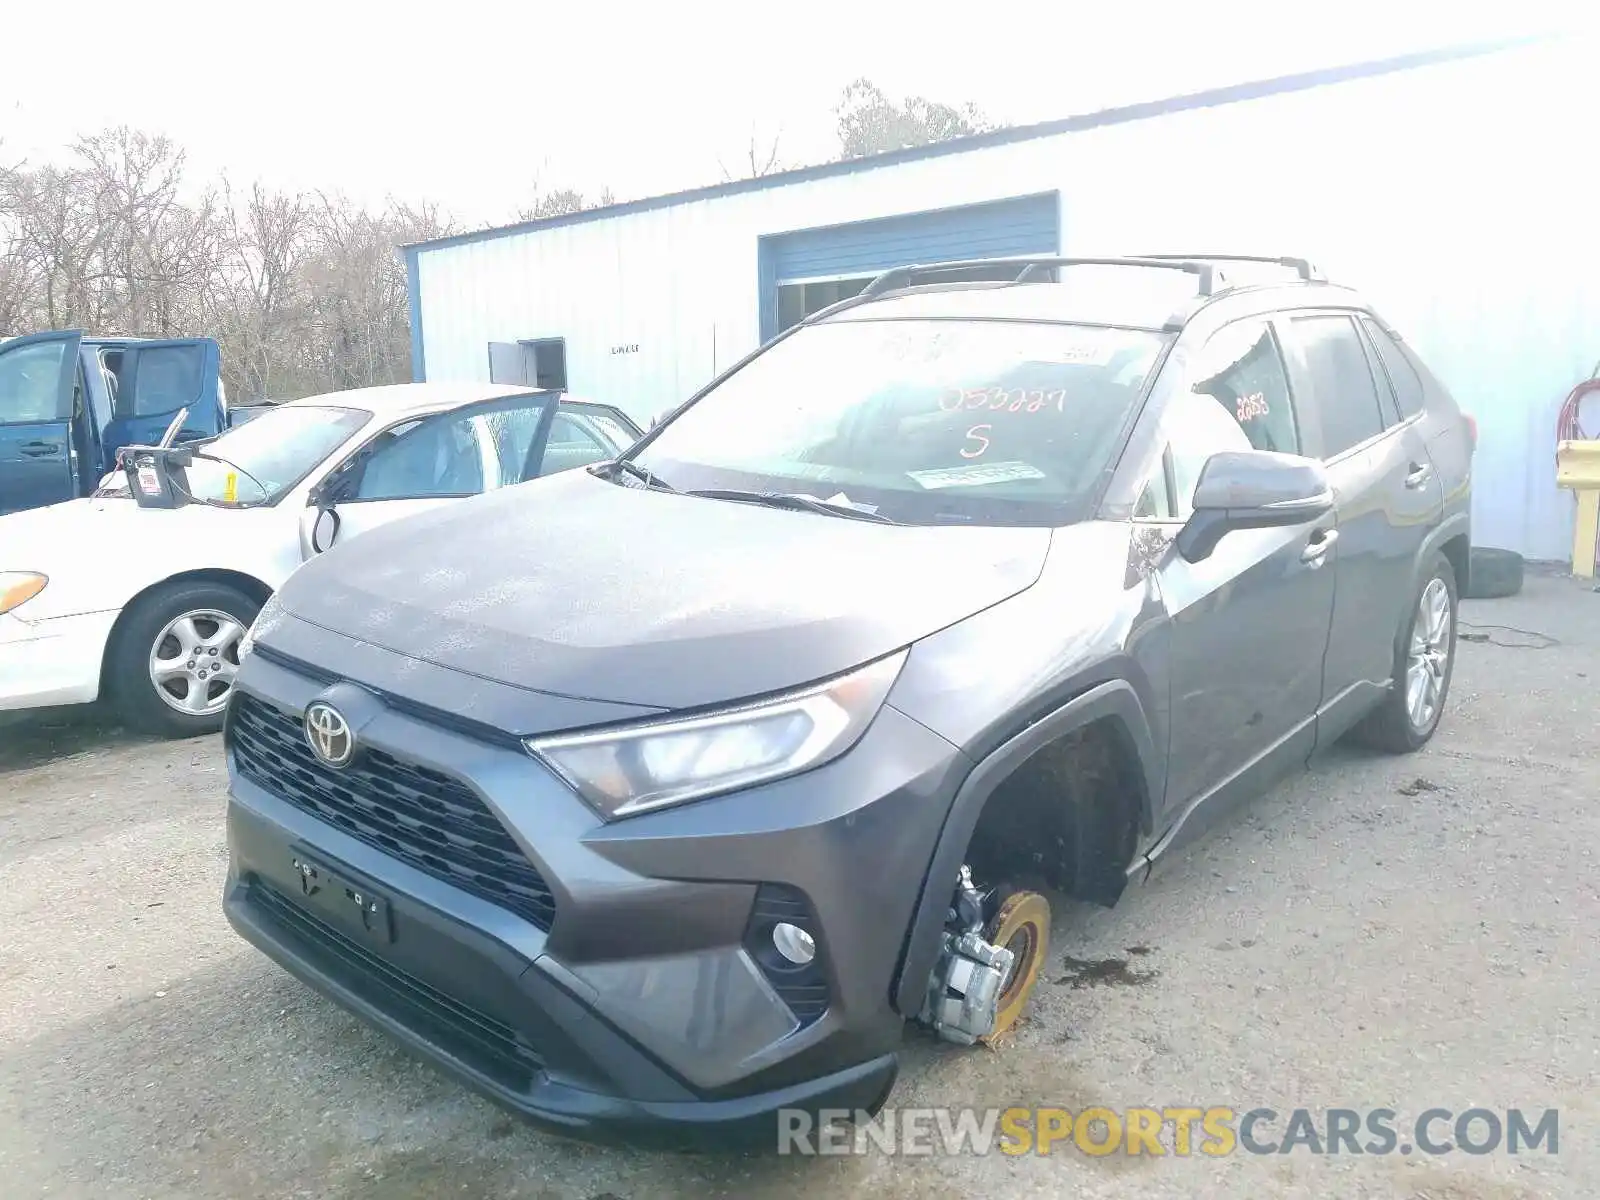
(797, 501)
(611, 467)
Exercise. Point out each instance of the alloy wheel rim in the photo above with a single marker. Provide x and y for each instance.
(194, 659)
(1428, 657)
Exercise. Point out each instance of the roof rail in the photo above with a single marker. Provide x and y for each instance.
(1030, 267)
(1300, 266)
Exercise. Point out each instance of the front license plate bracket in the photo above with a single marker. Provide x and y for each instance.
(335, 893)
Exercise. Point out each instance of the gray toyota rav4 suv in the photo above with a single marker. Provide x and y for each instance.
(655, 798)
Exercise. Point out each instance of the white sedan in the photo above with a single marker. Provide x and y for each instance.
(146, 607)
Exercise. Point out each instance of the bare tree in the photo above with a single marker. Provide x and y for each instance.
(304, 293)
(256, 296)
(871, 123)
(560, 202)
(154, 247)
(759, 160)
(57, 235)
(18, 282)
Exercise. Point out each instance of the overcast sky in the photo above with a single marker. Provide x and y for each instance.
(469, 102)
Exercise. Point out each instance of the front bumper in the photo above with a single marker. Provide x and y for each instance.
(53, 661)
(633, 1004)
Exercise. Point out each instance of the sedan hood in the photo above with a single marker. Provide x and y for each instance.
(27, 538)
(583, 588)
(40, 537)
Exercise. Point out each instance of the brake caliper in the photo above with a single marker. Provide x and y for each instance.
(964, 990)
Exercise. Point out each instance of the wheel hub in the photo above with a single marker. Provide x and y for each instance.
(987, 970)
(194, 659)
(1428, 657)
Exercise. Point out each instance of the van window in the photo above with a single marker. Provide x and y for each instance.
(30, 384)
(165, 379)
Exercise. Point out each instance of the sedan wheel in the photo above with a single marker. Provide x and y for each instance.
(173, 659)
(194, 660)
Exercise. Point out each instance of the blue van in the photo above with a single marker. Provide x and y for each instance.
(69, 402)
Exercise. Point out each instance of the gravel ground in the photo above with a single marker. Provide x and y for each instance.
(1379, 932)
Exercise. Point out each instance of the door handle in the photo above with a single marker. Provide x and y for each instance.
(1420, 474)
(40, 449)
(1318, 549)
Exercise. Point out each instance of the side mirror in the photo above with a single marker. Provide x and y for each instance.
(1252, 489)
(324, 530)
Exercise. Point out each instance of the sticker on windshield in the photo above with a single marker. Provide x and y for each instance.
(230, 488)
(1084, 353)
(1002, 472)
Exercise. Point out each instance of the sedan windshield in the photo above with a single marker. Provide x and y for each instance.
(270, 454)
(922, 421)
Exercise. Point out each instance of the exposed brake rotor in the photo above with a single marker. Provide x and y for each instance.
(1022, 926)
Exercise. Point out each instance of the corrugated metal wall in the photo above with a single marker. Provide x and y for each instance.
(1451, 194)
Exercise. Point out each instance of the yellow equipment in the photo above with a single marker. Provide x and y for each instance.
(1578, 469)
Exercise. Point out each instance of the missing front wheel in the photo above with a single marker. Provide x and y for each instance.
(993, 945)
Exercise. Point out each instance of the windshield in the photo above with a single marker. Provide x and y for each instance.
(270, 454)
(924, 421)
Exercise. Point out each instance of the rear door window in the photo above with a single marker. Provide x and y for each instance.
(1333, 368)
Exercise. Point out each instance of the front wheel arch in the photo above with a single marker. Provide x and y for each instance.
(1113, 701)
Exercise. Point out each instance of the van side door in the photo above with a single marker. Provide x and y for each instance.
(39, 398)
(156, 380)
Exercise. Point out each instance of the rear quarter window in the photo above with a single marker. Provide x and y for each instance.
(1403, 377)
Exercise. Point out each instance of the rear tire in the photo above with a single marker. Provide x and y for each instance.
(170, 669)
(1424, 661)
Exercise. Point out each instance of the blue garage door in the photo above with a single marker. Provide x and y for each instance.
(805, 270)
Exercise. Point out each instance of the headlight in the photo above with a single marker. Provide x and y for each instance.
(636, 768)
(268, 614)
(18, 587)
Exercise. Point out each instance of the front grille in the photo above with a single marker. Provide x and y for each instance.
(473, 1037)
(425, 819)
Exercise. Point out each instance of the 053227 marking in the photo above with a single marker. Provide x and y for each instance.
(999, 399)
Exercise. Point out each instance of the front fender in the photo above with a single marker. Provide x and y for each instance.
(1115, 699)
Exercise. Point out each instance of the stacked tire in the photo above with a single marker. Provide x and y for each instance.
(1493, 573)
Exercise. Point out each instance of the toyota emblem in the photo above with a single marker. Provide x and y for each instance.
(328, 734)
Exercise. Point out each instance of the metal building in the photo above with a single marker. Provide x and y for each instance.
(1448, 185)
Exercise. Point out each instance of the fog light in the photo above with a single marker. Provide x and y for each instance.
(794, 943)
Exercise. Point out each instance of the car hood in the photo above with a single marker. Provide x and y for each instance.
(41, 539)
(92, 548)
(583, 588)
